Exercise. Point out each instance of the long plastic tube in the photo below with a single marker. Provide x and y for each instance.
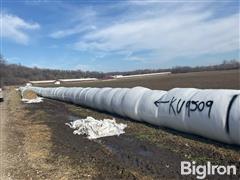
(210, 113)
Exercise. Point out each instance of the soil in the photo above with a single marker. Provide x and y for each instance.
(229, 79)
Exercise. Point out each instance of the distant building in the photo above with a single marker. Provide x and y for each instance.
(78, 80)
(117, 76)
(42, 82)
(57, 82)
(139, 75)
(28, 84)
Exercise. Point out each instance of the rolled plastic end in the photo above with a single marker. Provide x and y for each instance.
(234, 121)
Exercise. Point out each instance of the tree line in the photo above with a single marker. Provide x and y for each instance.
(14, 74)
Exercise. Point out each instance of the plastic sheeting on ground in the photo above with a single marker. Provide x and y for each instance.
(211, 113)
(94, 128)
(32, 101)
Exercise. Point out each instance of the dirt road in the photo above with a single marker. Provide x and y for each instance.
(3, 120)
(40, 146)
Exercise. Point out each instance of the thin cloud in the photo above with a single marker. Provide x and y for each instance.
(15, 28)
(177, 33)
(72, 31)
(81, 20)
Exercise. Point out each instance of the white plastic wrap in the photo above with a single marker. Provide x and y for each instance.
(167, 106)
(60, 93)
(76, 95)
(98, 98)
(108, 100)
(82, 100)
(131, 101)
(234, 120)
(117, 99)
(90, 96)
(94, 128)
(201, 112)
(104, 101)
(147, 110)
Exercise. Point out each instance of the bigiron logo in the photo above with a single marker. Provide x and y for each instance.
(202, 171)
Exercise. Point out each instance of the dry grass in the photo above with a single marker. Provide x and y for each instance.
(28, 94)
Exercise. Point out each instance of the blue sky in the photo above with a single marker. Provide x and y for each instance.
(119, 35)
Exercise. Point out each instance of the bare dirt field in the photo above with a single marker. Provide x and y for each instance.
(210, 79)
(38, 145)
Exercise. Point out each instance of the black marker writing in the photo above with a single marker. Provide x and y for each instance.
(191, 106)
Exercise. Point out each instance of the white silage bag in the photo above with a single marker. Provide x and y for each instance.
(65, 94)
(117, 99)
(234, 120)
(207, 113)
(82, 100)
(131, 101)
(202, 112)
(54, 92)
(72, 93)
(51, 92)
(147, 109)
(76, 95)
(108, 99)
(90, 96)
(38, 90)
(105, 101)
(68, 94)
(98, 98)
(47, 92)
(60, 93)
(41, 91)
(44, 92)
(168, 109)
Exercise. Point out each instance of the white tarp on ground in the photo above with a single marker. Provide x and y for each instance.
(94, 128)
(32, 101)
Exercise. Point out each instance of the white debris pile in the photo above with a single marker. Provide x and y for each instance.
(96, 128)
(31, 101)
